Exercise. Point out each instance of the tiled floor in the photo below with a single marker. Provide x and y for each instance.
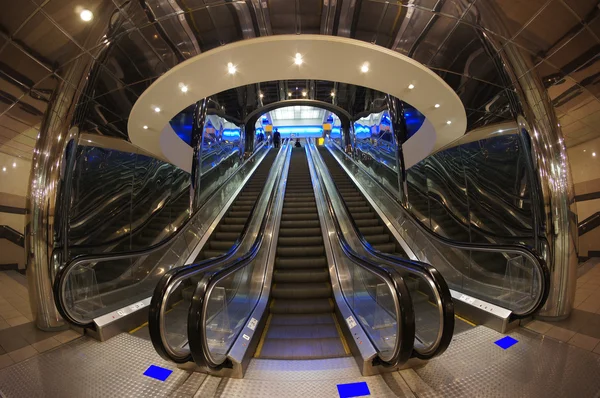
(19, 337)
(582, 328)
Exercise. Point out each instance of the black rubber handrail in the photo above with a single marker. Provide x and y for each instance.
(589, 224)
(60, 278)
(483, 247)
(405, 316)
(422, 269)
(162, 288)
(197, 340)
(12, 235)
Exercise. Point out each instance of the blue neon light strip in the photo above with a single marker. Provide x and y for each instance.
(506, 342)
(158, 373)
(353, 390)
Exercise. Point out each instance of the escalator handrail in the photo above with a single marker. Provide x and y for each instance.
(64, 270)
(426, 271)
(171, 278)
(405, 317)
(197, 338)
(531, 255)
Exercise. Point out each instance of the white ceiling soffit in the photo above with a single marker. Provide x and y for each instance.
(324, 58)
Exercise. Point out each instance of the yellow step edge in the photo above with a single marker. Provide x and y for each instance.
(342, 338)
(262, 338)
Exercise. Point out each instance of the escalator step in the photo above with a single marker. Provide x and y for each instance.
(299, 349)
(377, 239)
(231, 228)
(300, 224)
(221, 245)
(308, 306)
(230, 236)
(300, 251)
(299, 240)
(300, 217)
(303, 262)
(306, 331)
(285, 232)
(385, 247)
(371, 230)
(371, 222)
(300, 275)
(300, 210)
(301, 291)
(300, 319)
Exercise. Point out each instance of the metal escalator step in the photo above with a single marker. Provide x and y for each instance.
(285, 232)
(238, 214)
(231, 228)
(385, 247)
(364, 216)
(299, 240)
(371, 230)
(359, 209)
(303, 262)
(221, 245)
(300, 224)
(211, 253)
(300, 251)
(306, 331)
(308, 306)
(299, 217)
(299, 349)
(377, 239)
(368, 222)
(300, 210)
(301, 291)
(301, 319)
(299, 199)
(230, 236)
(300, 275)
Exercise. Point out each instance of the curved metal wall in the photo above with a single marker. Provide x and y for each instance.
(524, 62)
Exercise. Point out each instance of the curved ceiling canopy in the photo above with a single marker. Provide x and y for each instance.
(274, 58)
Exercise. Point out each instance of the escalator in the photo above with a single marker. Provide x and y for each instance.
(79, 291)
(301, 322)
(230, 228)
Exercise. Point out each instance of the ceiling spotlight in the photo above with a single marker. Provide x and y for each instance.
(183, 88)
(261, 95)
(333, 94)
(593, 153)
(145, 127)
(14, 164)
(365, 67)
(448, 122)
(289, 94)
(157, 109)
(411, 86)
(86, 15)
(584, 150)
(304, 93)
(436, 106)
(231, 68)
(298, 59)
(4, 169)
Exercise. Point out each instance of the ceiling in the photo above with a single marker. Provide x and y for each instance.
(129, 44)
(290, 114)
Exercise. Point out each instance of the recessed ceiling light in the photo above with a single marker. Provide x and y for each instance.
(436, 106)
(411, 86)
(86, 15)
(14, 164)
(261, 95)
(333, 94)
(304, 93)
(4, 169)
(449, 122)
(157, 109)
(183, 88)
(145, 127)
(298, 59)
(584, 150)
(289, 94)
(593, 153)
(231, 68)
(365, 67)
